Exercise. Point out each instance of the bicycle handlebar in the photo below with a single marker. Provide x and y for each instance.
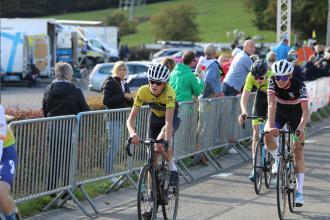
(146, 141)
(251, 117)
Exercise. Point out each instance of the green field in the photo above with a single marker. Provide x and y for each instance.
(215, 18)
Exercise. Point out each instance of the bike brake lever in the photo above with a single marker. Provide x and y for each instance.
(127, 147)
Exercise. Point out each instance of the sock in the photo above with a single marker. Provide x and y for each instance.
(171, 166)
(11, 216)
(274, 153)
(300, 177)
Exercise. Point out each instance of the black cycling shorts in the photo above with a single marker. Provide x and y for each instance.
(286, 114)
(156, 124)
(260, 106)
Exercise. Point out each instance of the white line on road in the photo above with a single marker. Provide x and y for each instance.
(222, 175)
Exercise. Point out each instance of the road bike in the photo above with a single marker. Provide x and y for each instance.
(286, 179)
(153, 186)
(263, 160)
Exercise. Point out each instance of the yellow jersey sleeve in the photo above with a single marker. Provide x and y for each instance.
(141, 95)
(170, 99)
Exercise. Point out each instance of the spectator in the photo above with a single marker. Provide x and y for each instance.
(238, 70)
(282, 49)
(116, 95)
(270, 59)
(254, 57)
(310, 70)
(213, 72)
(186, 85)
(205, 61)
(319, 51)
(297, 71)
(324, 64)
(183, 81)
(169, 62)
(225, 63)
(61, 98)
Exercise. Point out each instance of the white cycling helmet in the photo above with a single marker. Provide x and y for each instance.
(158, 73)
(282, 68)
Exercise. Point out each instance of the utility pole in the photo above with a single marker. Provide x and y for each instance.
(283, 24)
(328, 25)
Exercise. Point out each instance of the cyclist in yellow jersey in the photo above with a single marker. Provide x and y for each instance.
(8, 159)
(256, 80)
(163, 117)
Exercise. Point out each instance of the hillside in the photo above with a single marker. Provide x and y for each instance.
(215, 18)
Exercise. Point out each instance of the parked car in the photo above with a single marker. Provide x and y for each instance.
(136, 76)
(178, 57)
(159, 55)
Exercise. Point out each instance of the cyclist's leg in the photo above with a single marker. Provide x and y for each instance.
(299, 162)
(7, 171)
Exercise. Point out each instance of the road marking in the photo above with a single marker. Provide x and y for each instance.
(310, 141)
(325, 127)
(222, 175)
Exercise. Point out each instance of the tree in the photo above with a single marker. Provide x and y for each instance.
(120, 19)
(306, 16)
(176, 23)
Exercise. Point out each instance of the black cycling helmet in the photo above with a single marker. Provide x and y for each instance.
(259, 68)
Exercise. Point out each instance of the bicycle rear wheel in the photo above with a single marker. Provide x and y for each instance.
(269, 161)
(281, 188)
(292, 186)
(146, 194)
(170, 209)
(258, 168)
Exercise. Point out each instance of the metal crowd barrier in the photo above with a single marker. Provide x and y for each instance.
(44, 148)
(62, 154)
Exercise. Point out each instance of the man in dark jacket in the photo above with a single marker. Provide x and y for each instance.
(61, 96)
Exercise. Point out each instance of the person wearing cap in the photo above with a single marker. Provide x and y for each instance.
(238, 70)
(8, 160)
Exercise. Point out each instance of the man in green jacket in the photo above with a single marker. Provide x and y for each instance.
(183, 81)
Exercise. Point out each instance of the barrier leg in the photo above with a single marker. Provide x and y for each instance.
(185, 169)
(54, 201)
(82, 188)
(211, 155)
(116, 185)
(243, 149)
(214, 164)
(131, 181)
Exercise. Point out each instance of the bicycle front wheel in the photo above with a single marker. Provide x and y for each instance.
(170, 209)
(258, 168)
(146, 194)
(281, 188)
(292, 186)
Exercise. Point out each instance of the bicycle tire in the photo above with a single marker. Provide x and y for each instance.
(281, 188)
(292, 186)
(170, 210)
(269, 161)
(145, 194)
(258, 168)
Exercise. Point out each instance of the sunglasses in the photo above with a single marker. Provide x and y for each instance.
(259, 77)
(283, 78)
(155, 82)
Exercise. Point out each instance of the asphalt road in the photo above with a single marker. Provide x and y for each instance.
(231, 195)
(22, 96)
